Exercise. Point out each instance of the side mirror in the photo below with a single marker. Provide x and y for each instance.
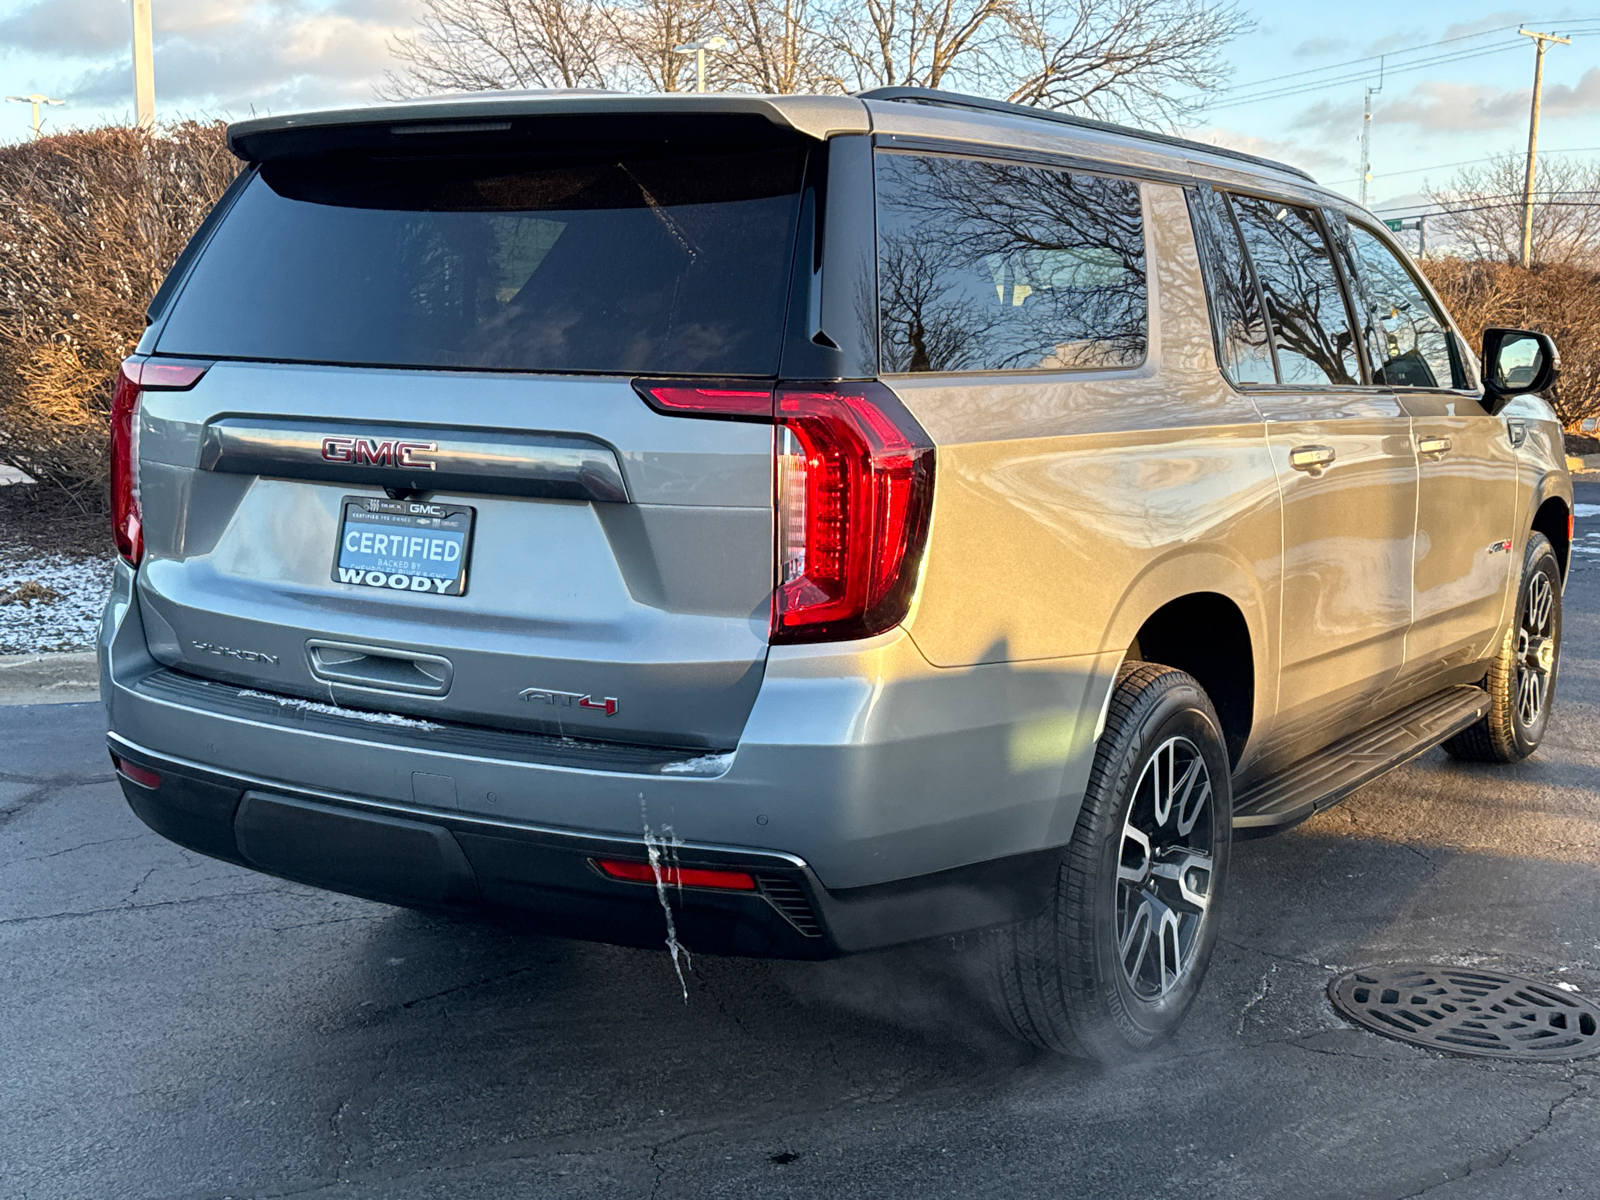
(1515, 363)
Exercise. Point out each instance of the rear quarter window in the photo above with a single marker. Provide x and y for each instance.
(989, 266)
(662, 264)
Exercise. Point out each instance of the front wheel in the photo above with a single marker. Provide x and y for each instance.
(1112, 965)
(1522, 678)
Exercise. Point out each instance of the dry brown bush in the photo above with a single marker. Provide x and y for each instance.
(1556, 299)
(90, 222)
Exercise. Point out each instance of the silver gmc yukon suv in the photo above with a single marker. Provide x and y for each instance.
(799, 525)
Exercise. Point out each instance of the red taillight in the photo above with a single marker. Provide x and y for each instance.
(143, 776)
(137, 376)
(698, 877)
(741, 402)
(854, 493)
(125, 519)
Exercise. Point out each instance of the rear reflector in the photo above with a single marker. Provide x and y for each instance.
(695, 877)
(143, 776)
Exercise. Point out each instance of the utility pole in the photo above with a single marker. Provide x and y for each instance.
(698, 49)
(144, 70)
(1533, 138)
(1366, 133)
(35, 99)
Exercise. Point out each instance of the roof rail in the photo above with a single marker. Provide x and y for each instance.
(917, 95)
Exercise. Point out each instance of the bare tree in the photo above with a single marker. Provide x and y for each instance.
(918, 43)
(490, 45)
(779, 47)
(641, 34)
(1139, 59)
(1483, 211)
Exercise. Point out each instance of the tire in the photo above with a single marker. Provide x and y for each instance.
(1061, 980)
(1522, 676)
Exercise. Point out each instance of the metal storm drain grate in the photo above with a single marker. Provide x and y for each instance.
(1466, 1011)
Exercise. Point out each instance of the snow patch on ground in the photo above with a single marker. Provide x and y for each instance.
(69, 623)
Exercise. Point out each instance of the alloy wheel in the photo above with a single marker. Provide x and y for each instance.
(1164, 869)
(1536, 650)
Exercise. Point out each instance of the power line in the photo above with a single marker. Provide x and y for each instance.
(1244, 94)
(1466, 162)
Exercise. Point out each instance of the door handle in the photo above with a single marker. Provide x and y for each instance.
(1433, 448)
(1311, 459)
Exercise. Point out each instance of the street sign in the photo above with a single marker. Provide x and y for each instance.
(1395, 225)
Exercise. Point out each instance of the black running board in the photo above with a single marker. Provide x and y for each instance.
(1332, 773)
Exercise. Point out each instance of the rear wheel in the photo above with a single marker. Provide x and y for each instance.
(1112, 965)
(1522, 678)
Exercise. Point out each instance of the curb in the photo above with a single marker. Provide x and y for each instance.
(1583, 462)
(49, 678)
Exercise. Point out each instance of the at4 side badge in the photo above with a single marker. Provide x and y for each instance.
(1499, 547)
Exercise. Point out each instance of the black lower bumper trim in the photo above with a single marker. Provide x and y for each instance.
(546, 879)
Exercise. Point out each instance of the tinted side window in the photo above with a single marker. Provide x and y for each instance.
(1241, 328)
(996, 266)
(1407, 341)
(1310, 326)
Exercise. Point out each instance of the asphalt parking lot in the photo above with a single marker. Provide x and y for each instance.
(175, 1027)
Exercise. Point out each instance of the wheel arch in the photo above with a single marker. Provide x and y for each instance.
(1553, 518)
(1233, 660)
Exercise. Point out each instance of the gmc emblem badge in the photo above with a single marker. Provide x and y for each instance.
(606, 704)
(379, 452)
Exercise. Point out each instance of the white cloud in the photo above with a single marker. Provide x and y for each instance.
(1453, 107)
(221, 57)
(66, 28)
(1312, 158)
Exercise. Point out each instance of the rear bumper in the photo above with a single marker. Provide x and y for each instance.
(904, 801)
(547, 880)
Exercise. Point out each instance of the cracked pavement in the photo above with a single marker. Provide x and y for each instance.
(175, 1027)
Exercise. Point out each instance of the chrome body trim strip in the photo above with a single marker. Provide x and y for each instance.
(416, 458)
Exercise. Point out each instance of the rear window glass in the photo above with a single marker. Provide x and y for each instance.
(987, 266)
(653, 264)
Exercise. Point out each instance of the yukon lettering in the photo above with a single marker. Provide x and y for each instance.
(250, 656)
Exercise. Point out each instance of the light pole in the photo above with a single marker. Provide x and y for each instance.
(1533, 139)
(698, 49)
(144, 70)
(35, 99)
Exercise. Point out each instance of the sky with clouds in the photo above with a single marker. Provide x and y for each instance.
(1456, 81)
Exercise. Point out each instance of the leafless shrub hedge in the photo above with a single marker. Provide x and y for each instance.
(1556, 298)
(90, 222)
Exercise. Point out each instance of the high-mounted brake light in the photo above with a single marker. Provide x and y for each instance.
(697, 877)
(854, 495)
(135, 377)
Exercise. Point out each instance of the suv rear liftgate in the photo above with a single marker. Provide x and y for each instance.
(431, 468)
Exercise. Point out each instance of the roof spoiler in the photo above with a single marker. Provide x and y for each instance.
(442, 121)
